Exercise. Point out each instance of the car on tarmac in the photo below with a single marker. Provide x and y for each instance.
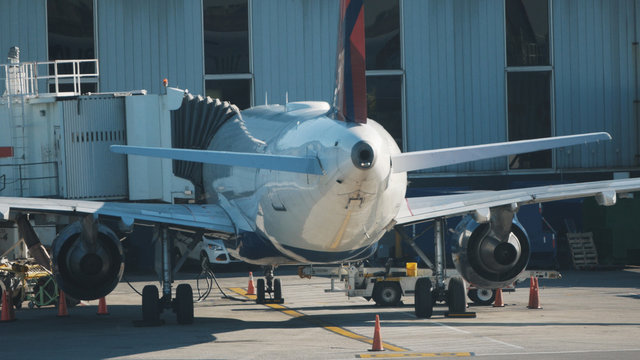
(210, 251)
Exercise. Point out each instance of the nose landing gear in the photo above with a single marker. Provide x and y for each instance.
(271, 286)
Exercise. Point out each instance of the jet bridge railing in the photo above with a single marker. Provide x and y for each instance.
(59, 77)
(31, 179)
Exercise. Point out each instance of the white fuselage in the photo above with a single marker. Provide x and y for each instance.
(307, 217)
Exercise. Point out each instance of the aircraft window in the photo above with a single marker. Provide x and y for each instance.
(236, 91)
(382, 34)
(384, 103)
(529, 111)
(527, 32)
(226, 36)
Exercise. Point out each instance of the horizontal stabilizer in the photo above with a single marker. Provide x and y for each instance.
(306, 165)
(428, 159)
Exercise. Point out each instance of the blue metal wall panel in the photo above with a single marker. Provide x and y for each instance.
(142, 42)
(23, 24)
(454, 65)
(594, 80)
(294, 49)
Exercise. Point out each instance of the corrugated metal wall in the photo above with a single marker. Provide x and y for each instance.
(595, 79)
(91, 125)
(141, 42)
(454, 66)
(294, 49)
(23, 24)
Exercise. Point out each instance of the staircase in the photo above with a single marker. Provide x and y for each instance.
(583, 250)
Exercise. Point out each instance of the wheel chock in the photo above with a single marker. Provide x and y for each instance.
(464, 315)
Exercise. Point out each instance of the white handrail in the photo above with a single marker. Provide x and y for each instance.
(22, 78)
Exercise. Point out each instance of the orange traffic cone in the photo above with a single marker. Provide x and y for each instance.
(377, 342)
(102, 307)
(534, 294)
(251, 290)
(7, 308)
(62, 305)
(498, 301)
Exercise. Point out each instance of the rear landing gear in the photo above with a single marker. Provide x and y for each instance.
(271, 286)
(152, 304)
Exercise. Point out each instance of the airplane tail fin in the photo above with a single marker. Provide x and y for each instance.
(427, 159)
(350, 96)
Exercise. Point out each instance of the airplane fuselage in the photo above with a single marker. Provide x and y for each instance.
(304, 218)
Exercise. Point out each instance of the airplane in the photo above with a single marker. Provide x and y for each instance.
(307, 183)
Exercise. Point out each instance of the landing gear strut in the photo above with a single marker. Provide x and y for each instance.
(426, 293)
(272, 287)
(152, 304)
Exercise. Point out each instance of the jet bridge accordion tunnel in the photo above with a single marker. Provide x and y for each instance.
(193, 126)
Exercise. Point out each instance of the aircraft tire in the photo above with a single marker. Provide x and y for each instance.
(184, 304)
(387, 293)
(423, 298)
(456, 297)
(482, 297)
(150, 304)
(277, 289)
(260, 291)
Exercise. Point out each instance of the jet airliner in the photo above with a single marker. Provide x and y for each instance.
(307, 183)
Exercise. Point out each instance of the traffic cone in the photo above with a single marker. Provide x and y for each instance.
(377, 342)
(498, 301)
(62, 305)
(7, 308)
(534, 294)
(102, 307)
(251, 290)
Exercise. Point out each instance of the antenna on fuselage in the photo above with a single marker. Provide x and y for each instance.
(265, 98)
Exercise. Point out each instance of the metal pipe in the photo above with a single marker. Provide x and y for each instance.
(166, 263)
(439, 250)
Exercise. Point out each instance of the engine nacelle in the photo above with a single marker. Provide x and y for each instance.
(492, 254)
(87, 269)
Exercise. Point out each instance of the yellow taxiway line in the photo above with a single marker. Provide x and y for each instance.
(327, 326)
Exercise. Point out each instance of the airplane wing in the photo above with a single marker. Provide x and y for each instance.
(211, 216)
(421, 209)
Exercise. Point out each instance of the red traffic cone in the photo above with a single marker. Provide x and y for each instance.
(498, 301)
(534, 295)
(62, 305)
(377, 342)
(102, 307)
(7, 308)
(251, 290)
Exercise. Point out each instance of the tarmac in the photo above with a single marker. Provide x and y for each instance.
(584, 315)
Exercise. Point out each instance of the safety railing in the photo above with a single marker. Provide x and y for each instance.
(26, 182)
(64, 77)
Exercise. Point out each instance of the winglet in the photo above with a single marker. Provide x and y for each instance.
(350, 96)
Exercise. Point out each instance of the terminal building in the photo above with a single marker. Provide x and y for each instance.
(439, 74)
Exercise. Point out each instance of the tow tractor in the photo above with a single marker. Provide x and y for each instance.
(387, 285)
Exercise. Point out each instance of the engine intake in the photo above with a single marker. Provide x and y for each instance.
(490, 255)
(89, 268)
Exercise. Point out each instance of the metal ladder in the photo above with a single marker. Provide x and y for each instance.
(583, 250)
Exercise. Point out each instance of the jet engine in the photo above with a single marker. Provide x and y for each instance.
(491, 254)
(88, 260)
